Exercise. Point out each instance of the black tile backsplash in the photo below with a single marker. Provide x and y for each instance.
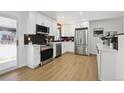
(32, 38)
(37, 39)
(67, 38)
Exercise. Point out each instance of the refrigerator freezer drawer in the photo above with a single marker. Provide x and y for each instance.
(81, 49)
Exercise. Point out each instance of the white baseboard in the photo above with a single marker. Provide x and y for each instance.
(8, 70)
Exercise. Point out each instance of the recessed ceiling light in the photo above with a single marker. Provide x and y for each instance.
(80, 13)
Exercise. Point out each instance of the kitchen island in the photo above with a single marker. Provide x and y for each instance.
(106, 60)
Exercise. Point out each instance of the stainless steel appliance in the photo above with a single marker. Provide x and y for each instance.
(58, 49)
(81, 41)
(42, 29)
(46, 54)
(114, 42)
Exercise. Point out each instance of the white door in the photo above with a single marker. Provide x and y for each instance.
(8, 48)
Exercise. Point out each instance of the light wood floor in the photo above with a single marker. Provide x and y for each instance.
(67, 67)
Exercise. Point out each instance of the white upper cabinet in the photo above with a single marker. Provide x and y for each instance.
(31, 28)
(43, 20)
(71, 30)
(53, 30)
(64, 30)
(68, 30)
(40, 19)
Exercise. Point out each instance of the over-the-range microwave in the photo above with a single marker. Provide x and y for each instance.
(41, 29)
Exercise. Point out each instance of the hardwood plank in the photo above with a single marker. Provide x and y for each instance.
(68, 67)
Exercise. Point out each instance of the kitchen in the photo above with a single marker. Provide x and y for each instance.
(50, 40)
(46, 40)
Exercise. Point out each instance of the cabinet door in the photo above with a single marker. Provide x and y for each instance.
(67, 47)
(71, 30)
(31, 24)
(48, 23)
(29, 56)
(40, 19)
(62, 29)
(71, 47)
(68, 30)
(120, 58)
(54, 28)
(108, 61)
(64, 48)
(65, 30)
(43, 20)
(36, 55)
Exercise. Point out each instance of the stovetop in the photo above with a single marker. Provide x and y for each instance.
(45, 47)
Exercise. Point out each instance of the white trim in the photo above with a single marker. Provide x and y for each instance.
(8, 70)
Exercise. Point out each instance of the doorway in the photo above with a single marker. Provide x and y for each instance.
(8, 46)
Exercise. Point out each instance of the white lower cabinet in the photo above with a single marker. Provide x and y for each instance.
(120, 59)
(67, 47)
(108, 61)
(71, 47)
(54, 50)
(32, 55)
(64, 49)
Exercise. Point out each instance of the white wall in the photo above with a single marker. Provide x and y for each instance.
(82, 24)
(21, 18)
(108, 25)
(7, 22)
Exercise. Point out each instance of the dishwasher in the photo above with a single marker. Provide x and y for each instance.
(58, 49)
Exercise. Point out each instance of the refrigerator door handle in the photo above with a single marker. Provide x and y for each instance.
(80, 40)
(86, 36)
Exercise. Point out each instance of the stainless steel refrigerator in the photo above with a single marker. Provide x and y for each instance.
(81, 41)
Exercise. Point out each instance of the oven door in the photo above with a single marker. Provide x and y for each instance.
(46, 55)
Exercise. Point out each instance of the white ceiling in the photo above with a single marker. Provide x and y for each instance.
(68, 17)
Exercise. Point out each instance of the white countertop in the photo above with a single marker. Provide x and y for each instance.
(106, 48)
(55, 42)
(61, 42)
(32, 45)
